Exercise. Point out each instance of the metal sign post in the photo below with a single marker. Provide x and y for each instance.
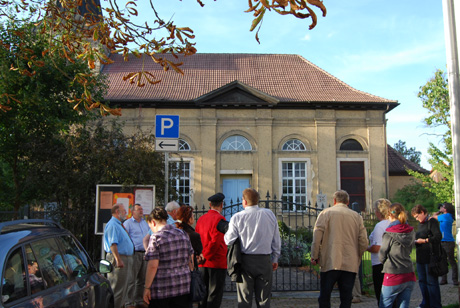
(166, 140)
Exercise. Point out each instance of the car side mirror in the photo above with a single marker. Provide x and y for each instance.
(104, 266)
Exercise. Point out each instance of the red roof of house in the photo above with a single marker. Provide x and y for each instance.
(285, 77)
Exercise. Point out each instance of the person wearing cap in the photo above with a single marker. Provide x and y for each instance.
(214, 252)
(446, 217)
(258, 232)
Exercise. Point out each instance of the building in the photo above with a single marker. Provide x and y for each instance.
(275, 122)
(397, 171)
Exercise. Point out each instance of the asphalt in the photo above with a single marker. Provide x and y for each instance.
(449, 295)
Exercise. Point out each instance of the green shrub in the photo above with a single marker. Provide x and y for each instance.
(294, 252)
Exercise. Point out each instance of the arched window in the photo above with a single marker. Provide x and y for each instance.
(236, 143)
(351, 145)
(183, 145)
(294, 145)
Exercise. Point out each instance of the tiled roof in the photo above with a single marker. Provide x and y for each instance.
(397, 164)
(288, 78)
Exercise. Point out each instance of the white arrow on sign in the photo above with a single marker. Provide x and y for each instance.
(167, 145)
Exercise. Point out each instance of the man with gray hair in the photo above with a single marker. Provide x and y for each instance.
(172, 208)
(339, 241)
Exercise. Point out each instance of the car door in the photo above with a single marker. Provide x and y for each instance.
(31, 280)
(91, 286)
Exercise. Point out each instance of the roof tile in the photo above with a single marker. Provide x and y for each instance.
(289, 78)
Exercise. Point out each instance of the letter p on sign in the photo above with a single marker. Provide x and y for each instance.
(167, 126)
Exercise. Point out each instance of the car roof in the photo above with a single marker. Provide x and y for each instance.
(16, 232)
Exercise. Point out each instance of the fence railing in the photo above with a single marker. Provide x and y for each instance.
(296, 223)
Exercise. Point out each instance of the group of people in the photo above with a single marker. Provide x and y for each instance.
(153, 258)
(340, 239)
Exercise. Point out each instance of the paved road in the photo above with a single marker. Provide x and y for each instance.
(449, 293)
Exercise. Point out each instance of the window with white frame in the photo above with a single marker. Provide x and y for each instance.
(183, 145)
(294, 145)
(181, 179)
(236, 143)
(294, 184)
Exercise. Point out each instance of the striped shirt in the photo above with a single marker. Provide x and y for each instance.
(171, 246)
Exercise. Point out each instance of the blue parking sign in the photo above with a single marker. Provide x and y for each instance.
(167, 126)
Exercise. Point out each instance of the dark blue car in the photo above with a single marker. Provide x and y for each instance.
(44, 265)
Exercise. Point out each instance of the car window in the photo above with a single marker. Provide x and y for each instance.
(13, 286)
(74, 260)
(47, 250)
(33, 273)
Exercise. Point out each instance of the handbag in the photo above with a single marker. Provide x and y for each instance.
(197, 287)
(438, 262)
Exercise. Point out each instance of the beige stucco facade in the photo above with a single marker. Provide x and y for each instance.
(322, 131)
(397, 182)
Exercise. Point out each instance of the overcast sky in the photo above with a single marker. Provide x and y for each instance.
(386, 48)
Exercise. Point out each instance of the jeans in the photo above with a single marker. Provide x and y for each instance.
(429, 286)
(399, 294)
(345, 280)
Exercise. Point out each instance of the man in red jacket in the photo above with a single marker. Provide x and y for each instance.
(214, 252)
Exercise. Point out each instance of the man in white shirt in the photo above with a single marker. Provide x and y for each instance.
(137, 229)
(258, 231)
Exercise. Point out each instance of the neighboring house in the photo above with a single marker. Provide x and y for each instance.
(275, 122)
(397, 170)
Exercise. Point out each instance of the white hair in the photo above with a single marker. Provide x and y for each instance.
(171, 206)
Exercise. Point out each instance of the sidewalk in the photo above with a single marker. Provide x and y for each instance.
(449, 295)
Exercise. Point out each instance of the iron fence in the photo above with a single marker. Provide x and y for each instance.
(296, 223)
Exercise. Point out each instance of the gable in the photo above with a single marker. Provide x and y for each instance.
(236, 94)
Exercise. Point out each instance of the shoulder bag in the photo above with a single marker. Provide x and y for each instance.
(198, 290)
(438, 261)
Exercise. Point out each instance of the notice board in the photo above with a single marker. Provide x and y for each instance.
(109, 194)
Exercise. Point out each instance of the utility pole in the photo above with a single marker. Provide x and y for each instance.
(451, 32)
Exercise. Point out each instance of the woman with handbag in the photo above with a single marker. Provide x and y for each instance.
(169, 256)
(428, 239)
(397, 243)
(184, 221)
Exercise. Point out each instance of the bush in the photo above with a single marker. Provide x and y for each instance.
(413, 194)
(294, 252)
(295, 245)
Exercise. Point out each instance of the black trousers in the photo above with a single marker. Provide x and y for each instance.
(214, 278)
(345, 280)
(181, 301)
(377, 277)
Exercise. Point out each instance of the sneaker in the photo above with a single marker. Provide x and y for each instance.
(356, 300)
(443, 282)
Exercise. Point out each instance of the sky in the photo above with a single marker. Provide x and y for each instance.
(386, 48)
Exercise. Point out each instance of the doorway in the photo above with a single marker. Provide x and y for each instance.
(233, 187)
